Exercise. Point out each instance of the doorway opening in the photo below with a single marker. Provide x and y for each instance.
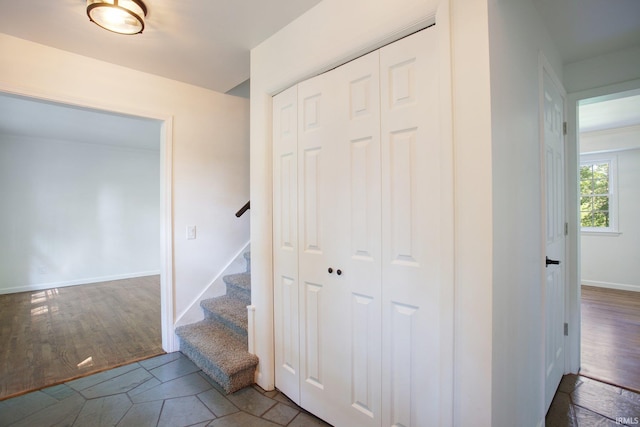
(608, 207)
(92, 200)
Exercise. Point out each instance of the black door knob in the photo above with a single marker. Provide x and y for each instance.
(339, 272)
(330, 270)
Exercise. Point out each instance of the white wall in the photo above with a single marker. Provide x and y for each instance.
(517, 36)
(614, 260)
(210, 149)
(471, 89)
(76, 213)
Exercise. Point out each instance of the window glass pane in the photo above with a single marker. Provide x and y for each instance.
(585, 219)
(601, 187)
(586, 186)
(586, 175)
(586, 171)
(601, 171)
(601, 203)
(586, 203)
(600, 219)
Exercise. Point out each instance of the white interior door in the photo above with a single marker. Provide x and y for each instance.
(285, 242)
(554, 277)
(414, 240)
(339, 205)
(358, 249)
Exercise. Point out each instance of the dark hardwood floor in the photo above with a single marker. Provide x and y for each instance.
(48, 337)
(611, 336)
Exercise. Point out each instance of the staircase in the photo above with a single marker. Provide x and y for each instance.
(218, 344)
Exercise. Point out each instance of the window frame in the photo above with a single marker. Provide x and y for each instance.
(612, 160)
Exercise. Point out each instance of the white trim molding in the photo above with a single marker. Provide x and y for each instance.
(167, 297)
(574, 254)
(76, 282)
(610, 285)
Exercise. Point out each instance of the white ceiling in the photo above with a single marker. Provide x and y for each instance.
(583, 29)
(207, 43)
(202, 42)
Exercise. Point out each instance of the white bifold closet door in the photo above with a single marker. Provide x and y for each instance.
(357, 255)
(285, 242)
(340, 238)
(415, 217)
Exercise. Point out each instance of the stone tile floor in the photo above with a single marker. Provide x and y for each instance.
(167, 390)
(581, 401)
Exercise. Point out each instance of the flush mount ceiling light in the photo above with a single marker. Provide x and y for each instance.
(119, 16)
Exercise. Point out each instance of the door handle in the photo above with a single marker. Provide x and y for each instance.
(551, 261)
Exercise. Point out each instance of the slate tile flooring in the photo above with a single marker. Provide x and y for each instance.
(581, 401)
(167, 390)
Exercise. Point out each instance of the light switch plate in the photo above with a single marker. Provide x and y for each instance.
(191, 232)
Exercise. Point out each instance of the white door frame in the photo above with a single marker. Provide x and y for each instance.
(572, 298)
(166, 186)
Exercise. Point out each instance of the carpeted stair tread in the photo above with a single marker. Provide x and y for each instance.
(218, 344)
(239, 280)
(218, 352)
(227, 310)
(239, 286)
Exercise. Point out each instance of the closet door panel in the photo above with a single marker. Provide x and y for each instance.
(285, 242)
(340, 313)
(411, 223)
(314, 348)
(363, 153)
(360, 225)
(403, 172)
(312, 233)
(315, 132)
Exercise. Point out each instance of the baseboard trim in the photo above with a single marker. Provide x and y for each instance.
(76, 282)
(609, 285)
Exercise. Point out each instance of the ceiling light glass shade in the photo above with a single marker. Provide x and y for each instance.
(119, 16)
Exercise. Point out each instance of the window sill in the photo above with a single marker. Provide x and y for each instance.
(601, 233)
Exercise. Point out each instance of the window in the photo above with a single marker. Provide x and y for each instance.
(597, 194)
